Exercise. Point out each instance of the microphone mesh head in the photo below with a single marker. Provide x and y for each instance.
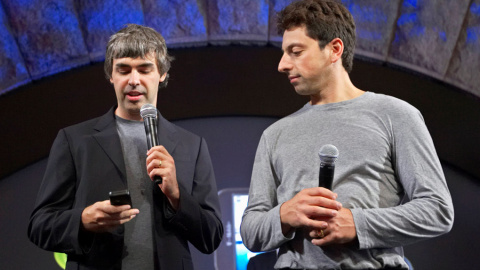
(328, 154)
(148, 110)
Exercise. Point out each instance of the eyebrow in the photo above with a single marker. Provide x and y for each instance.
(144, 65)
(296, 44)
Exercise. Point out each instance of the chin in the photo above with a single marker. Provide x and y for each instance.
(303, 92)
(133, 107)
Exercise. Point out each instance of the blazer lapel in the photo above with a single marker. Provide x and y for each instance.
(107, 138)
(167, 134)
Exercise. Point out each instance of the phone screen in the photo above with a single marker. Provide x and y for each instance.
(242, 254)
(232, 253)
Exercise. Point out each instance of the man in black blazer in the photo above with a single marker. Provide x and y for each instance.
(73, 214)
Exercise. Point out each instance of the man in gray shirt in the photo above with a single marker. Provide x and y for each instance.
(389, 189)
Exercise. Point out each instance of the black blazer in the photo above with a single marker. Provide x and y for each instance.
(86, 162)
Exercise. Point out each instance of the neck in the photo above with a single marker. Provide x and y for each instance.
(340, 88)
(135, 116)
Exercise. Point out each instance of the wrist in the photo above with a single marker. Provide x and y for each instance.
(174, 200)
(174, 203)
(286, 228)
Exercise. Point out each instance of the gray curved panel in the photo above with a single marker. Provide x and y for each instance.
(438, 38)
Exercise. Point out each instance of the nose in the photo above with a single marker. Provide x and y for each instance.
(284, 65)
(134, 79)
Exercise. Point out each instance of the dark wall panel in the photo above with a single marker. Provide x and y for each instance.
(218, 81)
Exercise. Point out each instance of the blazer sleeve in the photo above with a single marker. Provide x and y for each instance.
(198, 216)
(54, 224)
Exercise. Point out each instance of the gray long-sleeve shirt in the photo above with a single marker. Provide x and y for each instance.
(387, 173)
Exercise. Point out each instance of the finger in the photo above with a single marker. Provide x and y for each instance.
(112, 219)
(162, 172)
(155, 164)
(317, 233)
(114, 209)
(129, 213)
(314, 224)
(108, 222)
(317, 197)
(155, 155)
(127, 219)
(321, 191)
(328, 239)
(103, 208)
(325, 203)
(110, 225)
(159, 149)
(319, 213)
(118, 221)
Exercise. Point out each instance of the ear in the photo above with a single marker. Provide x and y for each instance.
(111, 80)
(337, 49)
(162, 78)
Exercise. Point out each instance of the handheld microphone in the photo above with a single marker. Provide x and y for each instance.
(328, 155)
(149, 115)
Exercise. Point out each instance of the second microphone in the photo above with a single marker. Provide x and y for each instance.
(328, 155)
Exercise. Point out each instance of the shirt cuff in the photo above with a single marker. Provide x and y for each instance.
(361, 228)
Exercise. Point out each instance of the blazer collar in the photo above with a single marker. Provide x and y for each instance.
(107, 137)
(167, 134)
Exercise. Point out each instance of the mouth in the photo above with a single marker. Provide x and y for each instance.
(293, 79)
(134, 95)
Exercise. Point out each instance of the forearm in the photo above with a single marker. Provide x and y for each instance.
(402, 225)
(198, 214)
(428, 210)
(262, 230)
(54, 225)
(199, 224)
(56, 230)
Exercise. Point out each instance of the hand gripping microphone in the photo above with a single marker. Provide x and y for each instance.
(149, 115)
(328, 155)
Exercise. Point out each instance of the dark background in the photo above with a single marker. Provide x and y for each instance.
(229, 95)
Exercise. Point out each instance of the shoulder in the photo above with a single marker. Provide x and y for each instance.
(177, 130)
(286, 122)
(175, 133)
(386, 101)
(80, 130)
(92, 125)
(390, 106)
(85, 125)
(84, 131)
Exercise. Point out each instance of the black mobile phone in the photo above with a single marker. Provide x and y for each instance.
(120, 197)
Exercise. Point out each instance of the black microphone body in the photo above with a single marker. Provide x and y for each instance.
(151, 131)
(328, 155)
(325, 178)
(149, 115)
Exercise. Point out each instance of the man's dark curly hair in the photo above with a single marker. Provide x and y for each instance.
(324, 21)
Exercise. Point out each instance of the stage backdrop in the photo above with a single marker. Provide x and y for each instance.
(426, 52)
(232, 143)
